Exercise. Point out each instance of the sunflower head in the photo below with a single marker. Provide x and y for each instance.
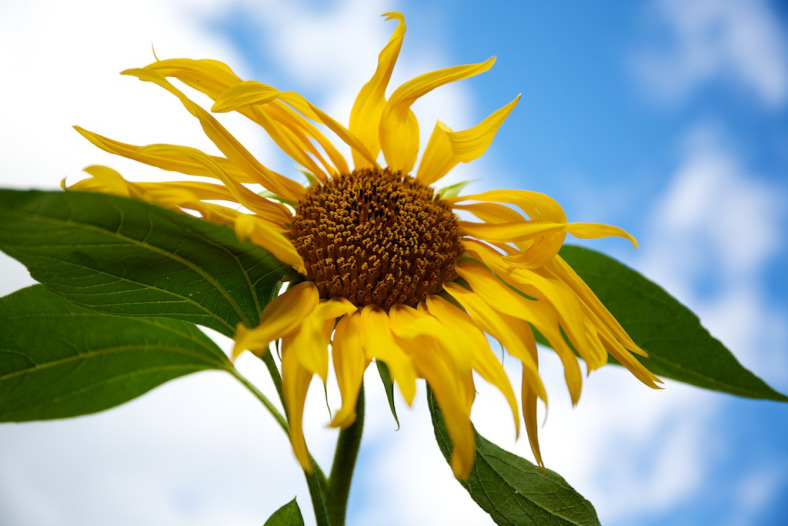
(379, 251)
(376, 237)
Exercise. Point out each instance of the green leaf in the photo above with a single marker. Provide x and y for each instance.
(512, 490)
(287, 515)
(388, 385)
(679, 347)
(58, 360)
(453, 190)
(127, 257)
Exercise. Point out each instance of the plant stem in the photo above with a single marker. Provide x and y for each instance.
(344, 463)
(273, 370)
(316, 482)
(266, 402)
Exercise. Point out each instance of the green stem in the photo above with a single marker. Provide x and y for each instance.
(273, 370)
(344, 463)
(266, 402)
(316, 482)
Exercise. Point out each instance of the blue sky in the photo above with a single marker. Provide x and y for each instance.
(667, 118)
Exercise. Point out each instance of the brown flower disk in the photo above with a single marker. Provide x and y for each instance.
(376, 237)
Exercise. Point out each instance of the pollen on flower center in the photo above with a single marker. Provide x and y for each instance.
(376, 237)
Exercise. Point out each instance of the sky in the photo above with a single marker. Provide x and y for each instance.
(664, 117)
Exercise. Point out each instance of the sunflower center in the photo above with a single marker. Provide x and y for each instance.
(376, 237)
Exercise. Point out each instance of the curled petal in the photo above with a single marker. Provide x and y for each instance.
(229, 145)
(596, 230)
(436, 361)
(399, 128)
(280, 318)
(311, 340)
(295, 384)
(379, 343)
(290, 131)
(447, 148)
(483, 359)
(269, 237)
(495, 324)
(172, 161)
(349, 365)
(368, 106)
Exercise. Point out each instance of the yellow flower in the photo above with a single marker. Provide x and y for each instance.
(389, 270)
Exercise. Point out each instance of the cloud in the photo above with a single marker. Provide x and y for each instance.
(635, 452)
(198, 450)
(62, 64)
(195, 451)
(702, 41)
(714, 231)
(728, 214)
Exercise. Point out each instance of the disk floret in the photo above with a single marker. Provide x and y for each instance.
(376, 237)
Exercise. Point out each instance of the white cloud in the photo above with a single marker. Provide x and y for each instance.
(756, 491)
(722, 213)
(198, 450)
(201, 450)
(718, 222)
(633, 451)
(712, 40)
(62, 64)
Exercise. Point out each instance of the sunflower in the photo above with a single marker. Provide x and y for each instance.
(387, 269)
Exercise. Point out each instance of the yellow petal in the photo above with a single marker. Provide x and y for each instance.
(399, 128)
(349, 365)
(491, 212)
(418, 327)
(235, 152)
(510, 232)
(305, 131)
(286, 134)
(457, 416)
(210, 77)
(536, 205)
(533, 251)
(513, 336)
(541, 315)
(484, 360)
(176, 195)
(529, 415)
(242, 195)
(107, 180)
(291, 132)
(554, 292)
(279, 318)
(311, 111)
(379, 343)
(561, 269)
(311, 340)
(192, 194)
(596, 230)
(368, 106)
(447, 148)
(244, 93)
(295, 384)
(451, 380)
(270, 238)
(173, 161)
(630, 362)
